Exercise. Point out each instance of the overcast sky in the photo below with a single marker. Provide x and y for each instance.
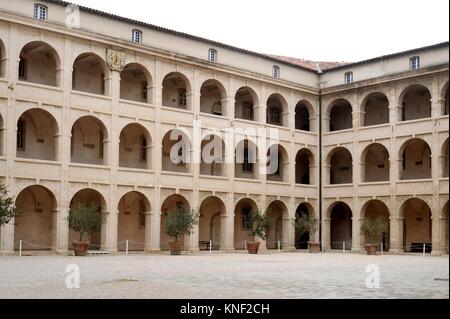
(321, 30)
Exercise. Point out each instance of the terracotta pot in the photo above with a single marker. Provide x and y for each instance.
(253, 247)
(176, 247)
(80, 247)
(371, 249)
(314, 247)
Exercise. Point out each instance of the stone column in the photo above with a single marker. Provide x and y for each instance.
(227, 226)
(326, 223)
(396, 234)
(148, 231)
(356, 224)
(155, 224)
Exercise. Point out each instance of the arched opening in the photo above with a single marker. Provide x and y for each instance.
(304, 167)
(242, 212)
(39, 63)
(133, 209)
(212, 210)
(341, 226)
(176, 91)
(340, 115)
(213, 98)
(277, 112)
(444, 159)
(37, 135)
(136, 83)
(445, 100)
(375, 163)
(172, 203)
(277, 164)
(89, 197)
(375, 109)
(135, 147)
(90, 74)
(416, 225)
(36, 225)
(2, 60)
(444, 229)
(302, 239)
(246, 157)
(176, 152)
(341, 166)
(416, 103)
(89, 142)
(213, 156)
(371, 210)
(246, 104)
(302, 117)
(277, 213)
(2, 129)
(415, 160)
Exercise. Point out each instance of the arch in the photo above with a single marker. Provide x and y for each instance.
(171, 203)
(416, 225)
(2, 129)
(277, 112)
(415, 160)
(135, 147)
(304, 167)
(444, 99)
(340, 113)
(40, 63)
(444, 159)
(246, 160)
(213, 98)
(177, 91)
(304, 112)
(375, 163)
(212, 210)
(375, 109)
(36, 225)
(301, 240)
(176, 151)
(340, 166)
(243, 208)
(278, 215)
(277, 164)
(2, 59)
(89, 196)
(415, 102)
(246, 104)
(373, 209)
(340, 226)
(212, 156)
(136, 83)
(90, 74)
(89, 141)
(37, 135)
(134, 209)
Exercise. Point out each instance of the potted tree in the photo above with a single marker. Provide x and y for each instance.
(7, 208)
(178, 223)
(84, 219)
(308, 223)
(373, 229)
(256, 225)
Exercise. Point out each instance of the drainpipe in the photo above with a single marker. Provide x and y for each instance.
(320, 161)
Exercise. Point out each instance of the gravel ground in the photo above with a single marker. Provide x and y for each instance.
(220, 275)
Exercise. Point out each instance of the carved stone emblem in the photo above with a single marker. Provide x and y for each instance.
(116, 60)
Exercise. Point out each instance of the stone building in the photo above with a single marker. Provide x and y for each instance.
(87, 112)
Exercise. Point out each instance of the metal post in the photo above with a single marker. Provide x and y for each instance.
(381, 247)
(20, 247)
(279, 246)
(343, 247)
(210, 247)
(245, 245)
(126, 247)
(423, 249)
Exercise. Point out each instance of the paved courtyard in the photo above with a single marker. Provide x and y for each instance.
(220, 275)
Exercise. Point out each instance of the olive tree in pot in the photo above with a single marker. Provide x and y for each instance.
(256, 225)
(373, 229)
(84, 219)
(308, 223)
(7, 208)
(178, 223)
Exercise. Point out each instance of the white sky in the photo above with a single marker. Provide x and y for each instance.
(325, 30)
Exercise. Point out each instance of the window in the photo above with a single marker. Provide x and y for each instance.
(276, 72)
(414, 63)
(40, 12)
(275, 116)
(136, 36)
(102, 83)
(349, 77)
(144, 89)
(22, 68)
(212, 55)
(100, 145)
(141, 214)
(247, 166)
(143, 152)
(21, 134)
(247, 111)
(246, 217)
(182, 97)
